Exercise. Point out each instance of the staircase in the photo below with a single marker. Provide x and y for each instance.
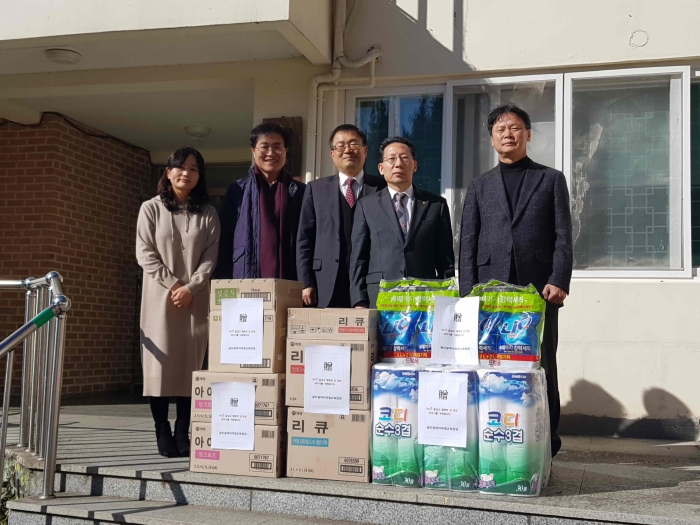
(109, 472)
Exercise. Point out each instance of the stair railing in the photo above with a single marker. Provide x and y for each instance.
(43, 336)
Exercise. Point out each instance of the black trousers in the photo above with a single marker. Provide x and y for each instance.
(550, 339)
(341, 290)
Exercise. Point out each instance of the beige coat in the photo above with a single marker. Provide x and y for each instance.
(174, 247)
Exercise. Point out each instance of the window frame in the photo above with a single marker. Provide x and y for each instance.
(679, 203)
(563, 120)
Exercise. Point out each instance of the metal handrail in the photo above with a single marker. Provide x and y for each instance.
(42, 371)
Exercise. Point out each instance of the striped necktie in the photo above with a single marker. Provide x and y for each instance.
(401, 212)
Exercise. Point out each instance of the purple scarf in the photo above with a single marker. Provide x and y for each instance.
(273, 210)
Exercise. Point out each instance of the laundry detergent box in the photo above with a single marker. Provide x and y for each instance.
(266, 460)
(269, 395)
(397, 457)
(514, 441)
(328, 446)
(337, 324)
(363, 355)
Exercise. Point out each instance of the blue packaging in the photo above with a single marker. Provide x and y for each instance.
(518, 334)
(424, 334)
(405, 310)
(398, 331)
(489, 323)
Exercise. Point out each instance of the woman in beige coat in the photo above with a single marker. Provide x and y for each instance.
(177, 244)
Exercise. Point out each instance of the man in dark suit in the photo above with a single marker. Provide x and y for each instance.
(516, 227)
(400, 231)
(325, 225)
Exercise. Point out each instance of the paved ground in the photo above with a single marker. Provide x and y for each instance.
(612, 475)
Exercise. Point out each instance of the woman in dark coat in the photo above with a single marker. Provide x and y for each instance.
(260, 213)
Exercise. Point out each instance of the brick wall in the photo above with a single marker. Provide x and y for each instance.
(69, 203)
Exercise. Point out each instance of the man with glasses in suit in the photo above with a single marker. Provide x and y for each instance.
(327, 214)
(400, 231)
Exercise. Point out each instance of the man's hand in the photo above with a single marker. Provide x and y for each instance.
(553, 294)
(362, 305)
(180, 296)
(308, 295)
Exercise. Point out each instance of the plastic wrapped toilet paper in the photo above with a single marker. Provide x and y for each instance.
(464, 462)
(456, 468)
(397, 457)
(514, 442)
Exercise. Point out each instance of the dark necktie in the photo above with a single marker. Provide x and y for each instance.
(401, 212)
(350, 193)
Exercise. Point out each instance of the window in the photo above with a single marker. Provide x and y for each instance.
(415, 117)
(622, 139)
(472, 150)
(624, 162)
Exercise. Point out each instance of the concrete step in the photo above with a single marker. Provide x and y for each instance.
(596, 480)
(76, 509)
(657, 504)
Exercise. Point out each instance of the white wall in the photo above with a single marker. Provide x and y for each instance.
(620, 340)
(448, 37)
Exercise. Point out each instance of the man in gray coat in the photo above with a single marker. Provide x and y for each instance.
(400, 231)
(516, 227)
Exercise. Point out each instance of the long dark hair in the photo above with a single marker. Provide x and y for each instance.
(198, 197)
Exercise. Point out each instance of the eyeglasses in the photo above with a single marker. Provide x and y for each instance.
(341, 146)
(274, 149)
(405, 159)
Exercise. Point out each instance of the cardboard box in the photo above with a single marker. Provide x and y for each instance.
(338, 324)
(274, 336)
(267, 460)
(362, 356)
(269, 395)
(326, 446)
(277, 294)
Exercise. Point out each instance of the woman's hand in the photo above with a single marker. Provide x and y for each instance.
(180, 296)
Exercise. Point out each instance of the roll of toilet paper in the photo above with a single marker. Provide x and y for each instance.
(512, 442)
(397, 458)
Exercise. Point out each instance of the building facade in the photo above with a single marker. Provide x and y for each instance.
(611, 88)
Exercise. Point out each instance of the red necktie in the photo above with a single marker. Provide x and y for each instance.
(350, 193)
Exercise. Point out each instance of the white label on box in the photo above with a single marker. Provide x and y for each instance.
(456, 331)
(442, 409)
(233, 416)
(242, 331)
(327, 379)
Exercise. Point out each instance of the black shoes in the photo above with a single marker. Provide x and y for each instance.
(182, 438)
(166, 443)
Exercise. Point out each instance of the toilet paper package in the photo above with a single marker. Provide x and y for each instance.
(514, 441)
(456, 468)
(397, 457)
(511, 323)
(464, 462)
(405, 309)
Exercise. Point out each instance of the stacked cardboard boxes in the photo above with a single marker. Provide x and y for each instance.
(324, 446)
(268, 376)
